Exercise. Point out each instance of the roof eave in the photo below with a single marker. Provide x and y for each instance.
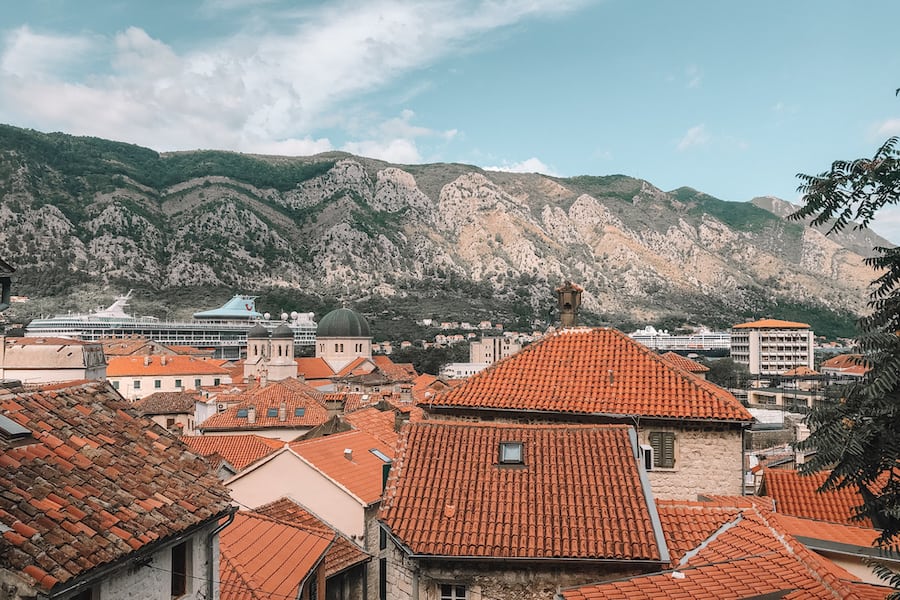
(617, 416)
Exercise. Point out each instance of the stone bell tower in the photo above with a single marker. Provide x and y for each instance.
(568, 299)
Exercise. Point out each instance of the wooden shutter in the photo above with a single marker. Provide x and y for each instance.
(663, 444)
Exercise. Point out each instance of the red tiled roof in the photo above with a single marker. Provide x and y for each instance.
(684, 363)
(342, 555)
(166, 403)
(578, 495)
(95, 485)
(357, 366)
(379, 424)
(361, 475)
(313, 368)
(829, 532)
(240, 451)
(264, 558)
(268, 399)
(746, 555)
(796, 495)
(771, 324)
(147, 366)
(599, 371)
(396, 372)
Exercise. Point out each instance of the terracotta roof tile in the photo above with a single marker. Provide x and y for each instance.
(771, 324)
(239, 450)
(166, 403)
(593, 371)
(263, 557)
(313, 368)
(147, 366)
(830, 532)
(361, 474)
(578, 495)
(745, 554)
(342, 555)
(396, 372)
(684, 363)
(796, 495)
(302, 403)
(379, 424)
(95, 484)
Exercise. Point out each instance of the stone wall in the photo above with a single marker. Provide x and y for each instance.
(708, 460)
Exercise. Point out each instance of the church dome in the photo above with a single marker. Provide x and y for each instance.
(343, 323)
(282, 332)
(257, 331)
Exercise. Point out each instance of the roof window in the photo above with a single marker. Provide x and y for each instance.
(13, 433)
(242, 413)
(299, 411)
(384, 457)
(512, 453)
(272, 412)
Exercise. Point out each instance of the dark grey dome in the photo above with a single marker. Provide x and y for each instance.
(257, 331)
(343, 323)
(283, 332)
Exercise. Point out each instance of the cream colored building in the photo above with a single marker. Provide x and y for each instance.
(771, 346)
(138, 376)
(490, 349)
(270, 357)
(342, 336)
(40, 360)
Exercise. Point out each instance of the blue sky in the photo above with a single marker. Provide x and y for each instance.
(731, 98)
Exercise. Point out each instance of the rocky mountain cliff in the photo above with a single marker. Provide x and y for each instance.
(84, 217)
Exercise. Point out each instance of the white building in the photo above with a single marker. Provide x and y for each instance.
(39, 360)
(490, 349)
(462, 370)
(342, 336)
(771, 347)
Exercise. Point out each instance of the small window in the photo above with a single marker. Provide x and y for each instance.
(157, 384)
(137, 384)
(299, 411)
(511, 453)
(197, 384)
(342, 347)
(647, 456)
(180, 565)
(177, 383)
(382, 579)
(170, 422)
(115, 384)
(216, 381)
(453, 591)
(242, 413)
(336, 347)
(384, 457)
(663, 444)
(271, 412)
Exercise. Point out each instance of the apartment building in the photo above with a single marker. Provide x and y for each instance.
(771, 346)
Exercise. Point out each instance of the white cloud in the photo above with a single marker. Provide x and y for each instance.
(694, 76)
(256, 88)
(695, 136)
(530, 165)
(888, 128)
(887, 223)
(395, 151)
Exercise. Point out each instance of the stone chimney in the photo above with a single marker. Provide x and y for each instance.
(251, 414)
(282, 411)
(162, 360)
(568, 299)
(147, 360)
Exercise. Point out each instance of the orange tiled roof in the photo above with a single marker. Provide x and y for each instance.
(313, 368)
(379, 424)
(578, 495)
(147, 366)
(267, 401)
(830, 532)
(342, 555)
(357, 366)
(166, 403)
(396, 372)
(771, 324)
(240, 451)
(264, 558)
(599, 371)
(746, 555)
(361, 474)
(796, 495)
(685, 363)
(95, 484)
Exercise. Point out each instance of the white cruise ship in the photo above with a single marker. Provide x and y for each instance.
(702, 341)
(223, 329)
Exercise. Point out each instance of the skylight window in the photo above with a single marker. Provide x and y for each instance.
(272, 412)
(512, 453)
(242, 413)
(299, 411)
(384, 457)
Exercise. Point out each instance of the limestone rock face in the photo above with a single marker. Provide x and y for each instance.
(360, 227)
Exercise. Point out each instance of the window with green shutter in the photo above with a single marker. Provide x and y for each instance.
(663, 444)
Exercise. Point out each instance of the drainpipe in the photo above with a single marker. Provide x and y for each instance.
(210, 587)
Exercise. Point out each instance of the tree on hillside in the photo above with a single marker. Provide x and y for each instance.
(858, 436)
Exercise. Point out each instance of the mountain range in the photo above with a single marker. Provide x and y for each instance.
(84, 219)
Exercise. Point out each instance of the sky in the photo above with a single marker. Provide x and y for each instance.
(731, 98)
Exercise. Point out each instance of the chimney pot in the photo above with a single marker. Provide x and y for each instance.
(251, 414)
(348, 453)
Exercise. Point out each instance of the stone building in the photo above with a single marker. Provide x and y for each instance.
(341, 337)
(270, 357)
(41, 360)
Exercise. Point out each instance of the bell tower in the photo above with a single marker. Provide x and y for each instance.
(568, 299)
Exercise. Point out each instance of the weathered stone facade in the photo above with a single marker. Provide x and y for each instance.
(708, 460)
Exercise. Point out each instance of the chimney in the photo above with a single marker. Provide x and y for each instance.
(400, 419)
(263, 378)
(568, 299)
(162, 360)
(251, 414)
(147, 360)
(348, 453)
(282, 411)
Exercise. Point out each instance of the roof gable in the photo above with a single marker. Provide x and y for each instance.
(96, 483)
(684, 363)
(593, 371)
(240, 451)
(796, 495)
(578, 495)
(301, 403)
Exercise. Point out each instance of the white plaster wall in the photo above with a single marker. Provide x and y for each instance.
(167, 383)
(288, 475)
